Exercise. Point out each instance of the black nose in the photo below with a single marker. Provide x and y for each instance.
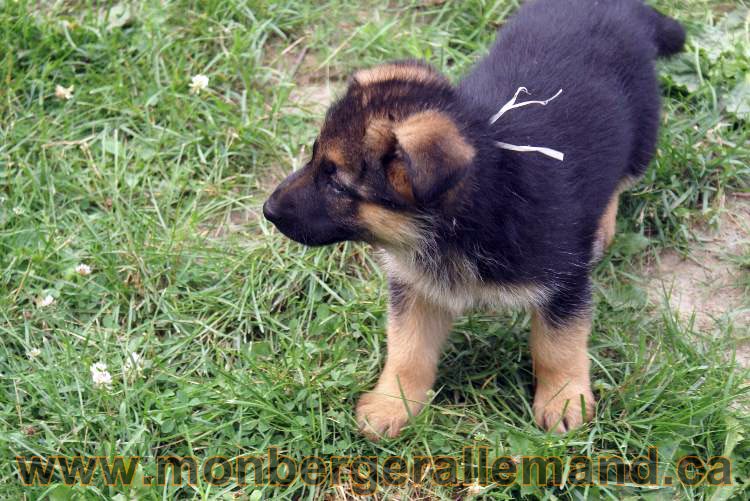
(271, 209)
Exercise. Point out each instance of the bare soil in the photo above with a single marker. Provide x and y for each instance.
(709, 283)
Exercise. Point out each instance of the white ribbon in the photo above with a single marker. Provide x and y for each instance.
(511, 105)
(557, 155)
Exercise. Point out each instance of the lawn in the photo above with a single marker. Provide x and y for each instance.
(245, 340)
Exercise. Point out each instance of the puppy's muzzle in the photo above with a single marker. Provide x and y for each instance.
(272, 209)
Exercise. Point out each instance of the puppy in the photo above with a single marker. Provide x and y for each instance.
(499, 191)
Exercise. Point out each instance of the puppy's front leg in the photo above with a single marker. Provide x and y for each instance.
(416, 332)
(561, 368)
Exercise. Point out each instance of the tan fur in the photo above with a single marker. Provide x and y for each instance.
(379, 137)
(561, 368)
(386, 72)
(466, 291)
(387, 226)
(607, 226)
(398, 177)
(430, 129)
(605, 234)
(333, 152)
(416, 333)
(424, 137)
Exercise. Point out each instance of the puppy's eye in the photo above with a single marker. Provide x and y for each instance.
(329, 168)
(336, 186)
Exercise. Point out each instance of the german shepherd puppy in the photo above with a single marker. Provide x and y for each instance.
(465, 214)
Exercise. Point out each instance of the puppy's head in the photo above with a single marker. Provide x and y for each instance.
(388, 154)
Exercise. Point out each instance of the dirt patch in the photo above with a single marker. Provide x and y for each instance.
(314, 98)
(709, 282)
(233, 221)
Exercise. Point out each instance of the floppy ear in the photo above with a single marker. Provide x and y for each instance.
(430, 153)
(383, 147)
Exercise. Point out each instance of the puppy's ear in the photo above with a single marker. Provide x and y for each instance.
(383, 148)
(431, 155)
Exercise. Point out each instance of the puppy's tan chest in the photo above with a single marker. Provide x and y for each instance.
(454, 284)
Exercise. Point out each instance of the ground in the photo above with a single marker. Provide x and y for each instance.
(194, 328)
(708, 287)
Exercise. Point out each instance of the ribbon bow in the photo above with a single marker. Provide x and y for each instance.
(511, 105)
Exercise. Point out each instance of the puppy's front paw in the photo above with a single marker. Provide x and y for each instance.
(559, 409)
(380, 415)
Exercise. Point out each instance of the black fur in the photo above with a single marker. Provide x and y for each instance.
(539, 216)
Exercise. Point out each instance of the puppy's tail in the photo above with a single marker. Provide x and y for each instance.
(669, 34)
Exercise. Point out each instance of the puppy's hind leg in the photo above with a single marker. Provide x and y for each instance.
(563, 399)
(605, 234)
(416, 332)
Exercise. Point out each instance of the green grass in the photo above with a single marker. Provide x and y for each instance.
(251, 340)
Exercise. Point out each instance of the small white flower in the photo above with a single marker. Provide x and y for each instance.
(45, 301)
(33, 353)
(63, 92)
(17, 211)
(133, 496)
(133, 365)
(475, 489)
(101, 376)
(83, 269)
(198, 83)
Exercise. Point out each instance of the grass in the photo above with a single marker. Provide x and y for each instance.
(250, 340)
